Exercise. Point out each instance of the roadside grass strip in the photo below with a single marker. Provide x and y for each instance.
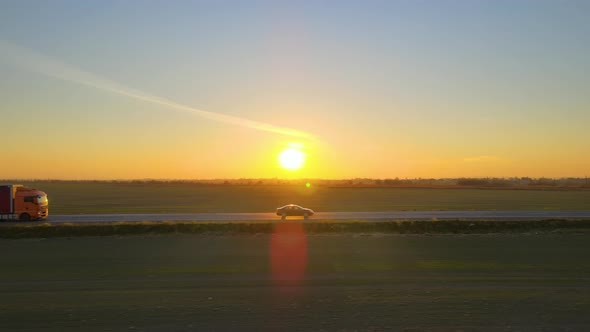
(48, 230)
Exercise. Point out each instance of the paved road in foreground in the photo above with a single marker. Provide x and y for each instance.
(374, 216)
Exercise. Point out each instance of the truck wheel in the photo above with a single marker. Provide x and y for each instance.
(25, 217)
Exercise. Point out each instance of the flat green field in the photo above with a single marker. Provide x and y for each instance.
(290, 281)
(107, 197)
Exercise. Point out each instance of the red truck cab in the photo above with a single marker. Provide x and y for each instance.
(21, 203)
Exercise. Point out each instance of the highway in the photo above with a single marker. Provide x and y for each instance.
(373, 216)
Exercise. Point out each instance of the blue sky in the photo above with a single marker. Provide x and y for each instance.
(392, 88)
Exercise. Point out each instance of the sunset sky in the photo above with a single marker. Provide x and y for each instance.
(219, 89)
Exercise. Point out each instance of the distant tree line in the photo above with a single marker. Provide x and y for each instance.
(406, 182)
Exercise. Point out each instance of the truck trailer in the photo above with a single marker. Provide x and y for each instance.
(21, 203)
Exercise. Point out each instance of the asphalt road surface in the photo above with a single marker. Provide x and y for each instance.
(374, 216)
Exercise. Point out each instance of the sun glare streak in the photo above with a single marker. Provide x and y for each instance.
(288, 254)
(35, 62)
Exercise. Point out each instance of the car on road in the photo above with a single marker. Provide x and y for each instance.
(294, 210)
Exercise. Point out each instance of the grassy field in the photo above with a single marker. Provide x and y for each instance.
(290, 282)
(105, 197)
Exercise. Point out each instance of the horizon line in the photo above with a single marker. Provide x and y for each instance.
(302, 179)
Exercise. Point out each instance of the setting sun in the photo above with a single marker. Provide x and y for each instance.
(291, 158)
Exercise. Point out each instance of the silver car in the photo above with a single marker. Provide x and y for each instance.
(294, 210)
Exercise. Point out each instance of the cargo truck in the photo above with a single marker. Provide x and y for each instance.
(21, 203)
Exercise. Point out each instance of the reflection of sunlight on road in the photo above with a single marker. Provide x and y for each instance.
(288, 256)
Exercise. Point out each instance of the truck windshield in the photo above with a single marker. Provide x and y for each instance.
(42, 199)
